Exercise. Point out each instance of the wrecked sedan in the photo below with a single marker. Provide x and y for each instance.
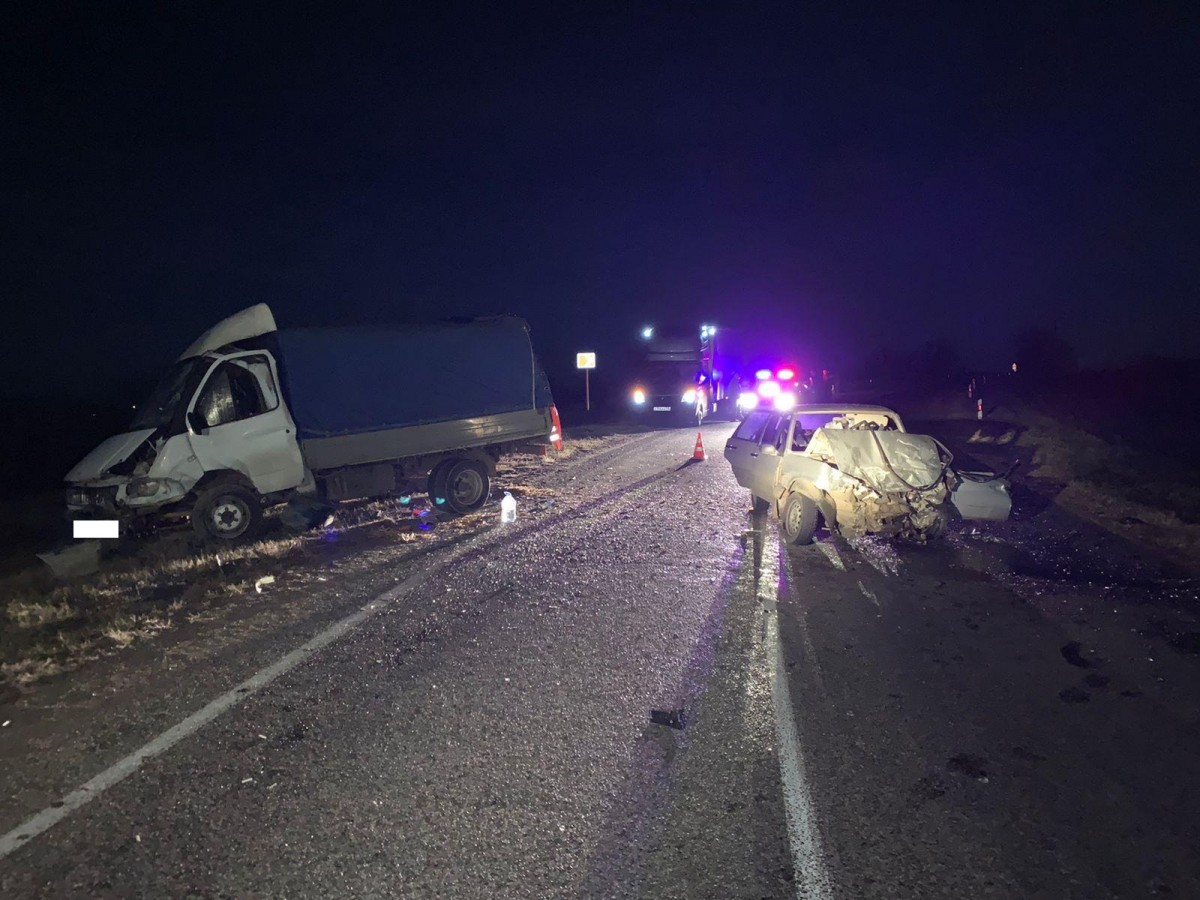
(858, 471)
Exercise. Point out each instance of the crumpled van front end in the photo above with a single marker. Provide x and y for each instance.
(135, 473)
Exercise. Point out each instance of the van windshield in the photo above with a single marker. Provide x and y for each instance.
(172, 390)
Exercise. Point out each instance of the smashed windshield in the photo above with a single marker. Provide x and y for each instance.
(160, 408)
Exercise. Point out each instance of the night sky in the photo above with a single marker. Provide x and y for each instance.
(848, 178)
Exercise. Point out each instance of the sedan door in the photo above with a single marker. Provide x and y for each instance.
(769, 457)
(742, 448)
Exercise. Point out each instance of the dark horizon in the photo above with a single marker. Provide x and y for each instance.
(851, 180)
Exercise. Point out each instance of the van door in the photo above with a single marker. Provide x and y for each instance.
(238, 421)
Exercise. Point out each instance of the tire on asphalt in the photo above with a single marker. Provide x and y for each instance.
(227, 513)
(799, 519)
(436, 485)
(465, 484)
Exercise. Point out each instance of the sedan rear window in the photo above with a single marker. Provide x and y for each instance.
(751, 428)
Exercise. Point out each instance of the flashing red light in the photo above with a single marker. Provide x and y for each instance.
(785, 374)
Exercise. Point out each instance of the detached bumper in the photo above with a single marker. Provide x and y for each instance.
(982, 500)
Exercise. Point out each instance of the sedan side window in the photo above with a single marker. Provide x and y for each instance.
(770, 432)
(751, 428)
(800, 437)
(781, 436)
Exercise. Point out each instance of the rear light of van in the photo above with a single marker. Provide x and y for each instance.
(556, 439)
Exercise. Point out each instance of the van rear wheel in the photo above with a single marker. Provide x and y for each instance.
(465, 485)
(436, 485)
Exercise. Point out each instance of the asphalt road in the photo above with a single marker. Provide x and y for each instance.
(1010, 712)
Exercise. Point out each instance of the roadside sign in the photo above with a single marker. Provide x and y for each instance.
(587, 362)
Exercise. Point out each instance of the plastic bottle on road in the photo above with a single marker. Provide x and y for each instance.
(508, 508)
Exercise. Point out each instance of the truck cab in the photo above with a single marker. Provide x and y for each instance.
(218, 414)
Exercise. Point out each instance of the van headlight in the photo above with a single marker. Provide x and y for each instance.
(143, 487)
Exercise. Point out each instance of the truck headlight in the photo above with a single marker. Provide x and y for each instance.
(689, 396)
(639, 396)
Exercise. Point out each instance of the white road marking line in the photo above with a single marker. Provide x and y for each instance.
(883, 560)
(123, 768)
(831, 551)
(808, 859)
(868, 594)
(52, 815)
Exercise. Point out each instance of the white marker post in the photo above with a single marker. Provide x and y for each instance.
(587, 362)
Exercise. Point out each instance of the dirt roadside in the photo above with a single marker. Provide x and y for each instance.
(169, 590)
(1142, 497)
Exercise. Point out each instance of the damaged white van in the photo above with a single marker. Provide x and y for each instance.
(250, 416)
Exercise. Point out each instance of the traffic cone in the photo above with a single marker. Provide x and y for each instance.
(698, 453)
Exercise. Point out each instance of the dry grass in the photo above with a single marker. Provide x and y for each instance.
(124, 630)
(50, 627)
(1137, 494)
(34, 614)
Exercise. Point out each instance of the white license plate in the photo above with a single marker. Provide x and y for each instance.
(662, 409)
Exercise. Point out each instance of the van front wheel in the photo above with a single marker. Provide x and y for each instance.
(227, 513)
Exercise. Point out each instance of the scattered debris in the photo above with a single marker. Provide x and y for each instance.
(304, 513)
(74, 560)
(1074, 695)
(970, 765)
(672, 718)
(263, 582)
(1071, 654)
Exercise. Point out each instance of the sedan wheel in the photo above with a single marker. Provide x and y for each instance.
(799, 519)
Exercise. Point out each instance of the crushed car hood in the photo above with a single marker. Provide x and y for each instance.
(114, 450)
(888, 461)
